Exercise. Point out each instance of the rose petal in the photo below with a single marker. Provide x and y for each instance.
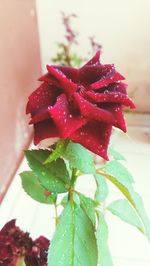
(114, 97)
(40, 116)
(44, 96)
(95, 137)
(51, 80)
(45, 129)
(116, 87)
(64, 119)
(107, 80)
(66, 84)
(70, 72)
(94, 60)
(93, 73)
(116, 110)
(91, 111)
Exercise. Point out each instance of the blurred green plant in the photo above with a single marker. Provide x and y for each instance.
(65, 55)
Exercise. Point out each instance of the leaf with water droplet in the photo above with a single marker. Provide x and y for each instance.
(104, 256)
(34, 189)
(102, 188)
(124, 210)
(58, 151)
(54, 176)
(115, 168)
(88, 205)
(74, 241)
(79, 158)
(124, 183)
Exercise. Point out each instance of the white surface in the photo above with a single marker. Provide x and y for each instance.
(128, 246)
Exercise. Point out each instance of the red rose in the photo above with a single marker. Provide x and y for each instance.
(80, 104)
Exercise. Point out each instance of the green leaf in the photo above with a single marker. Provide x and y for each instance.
(104, 256)
(79, 158)
(34, 189)
(76, 198)
(118, 170)
(58, 152)
(142, 213)
(54, 176)
(74, 241)
(64, 201)
(102, 188)
(126, 212)
(125, 186)
(88, 205)
(116, 155)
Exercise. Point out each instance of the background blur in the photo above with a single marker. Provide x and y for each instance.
(29, 32)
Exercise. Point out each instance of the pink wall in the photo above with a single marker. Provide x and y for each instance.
(19, 69)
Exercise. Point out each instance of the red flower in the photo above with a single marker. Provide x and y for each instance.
(80, 104)
(38, 253)
(15, 244)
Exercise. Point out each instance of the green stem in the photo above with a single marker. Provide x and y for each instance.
(56, 214)
(70, 193)
(20, 262)
(72, 183)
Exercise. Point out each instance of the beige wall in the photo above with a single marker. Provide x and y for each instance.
(121, 26)
(19, 69)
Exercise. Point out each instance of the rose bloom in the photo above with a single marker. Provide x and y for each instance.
(16, 245)
(80, 104)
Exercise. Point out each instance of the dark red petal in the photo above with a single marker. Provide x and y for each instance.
(105, 81)
(94, 60)
(64, 119)
(116, 110)
(95, 137)
(117, 87)
(8, 226)
(91, 111)
(40, 98)
(50, 79)
(40, 116)
(66, 84)
(45, 129)
(114, 97)
(70, 72)
(93, 73)
(42, 242)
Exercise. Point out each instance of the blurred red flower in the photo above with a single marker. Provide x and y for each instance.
(16, 245)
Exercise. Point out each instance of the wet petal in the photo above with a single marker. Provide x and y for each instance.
(91, 111)
(94, 60)
(95, 137)
(117, 87)
(116, 110)
(105, 81)
(70, 72)
(45, 129)
(66, 84)
(51, 80)
(40, 116)
(114, 97)
(92, 73)
(44, 96)
(63, 117)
